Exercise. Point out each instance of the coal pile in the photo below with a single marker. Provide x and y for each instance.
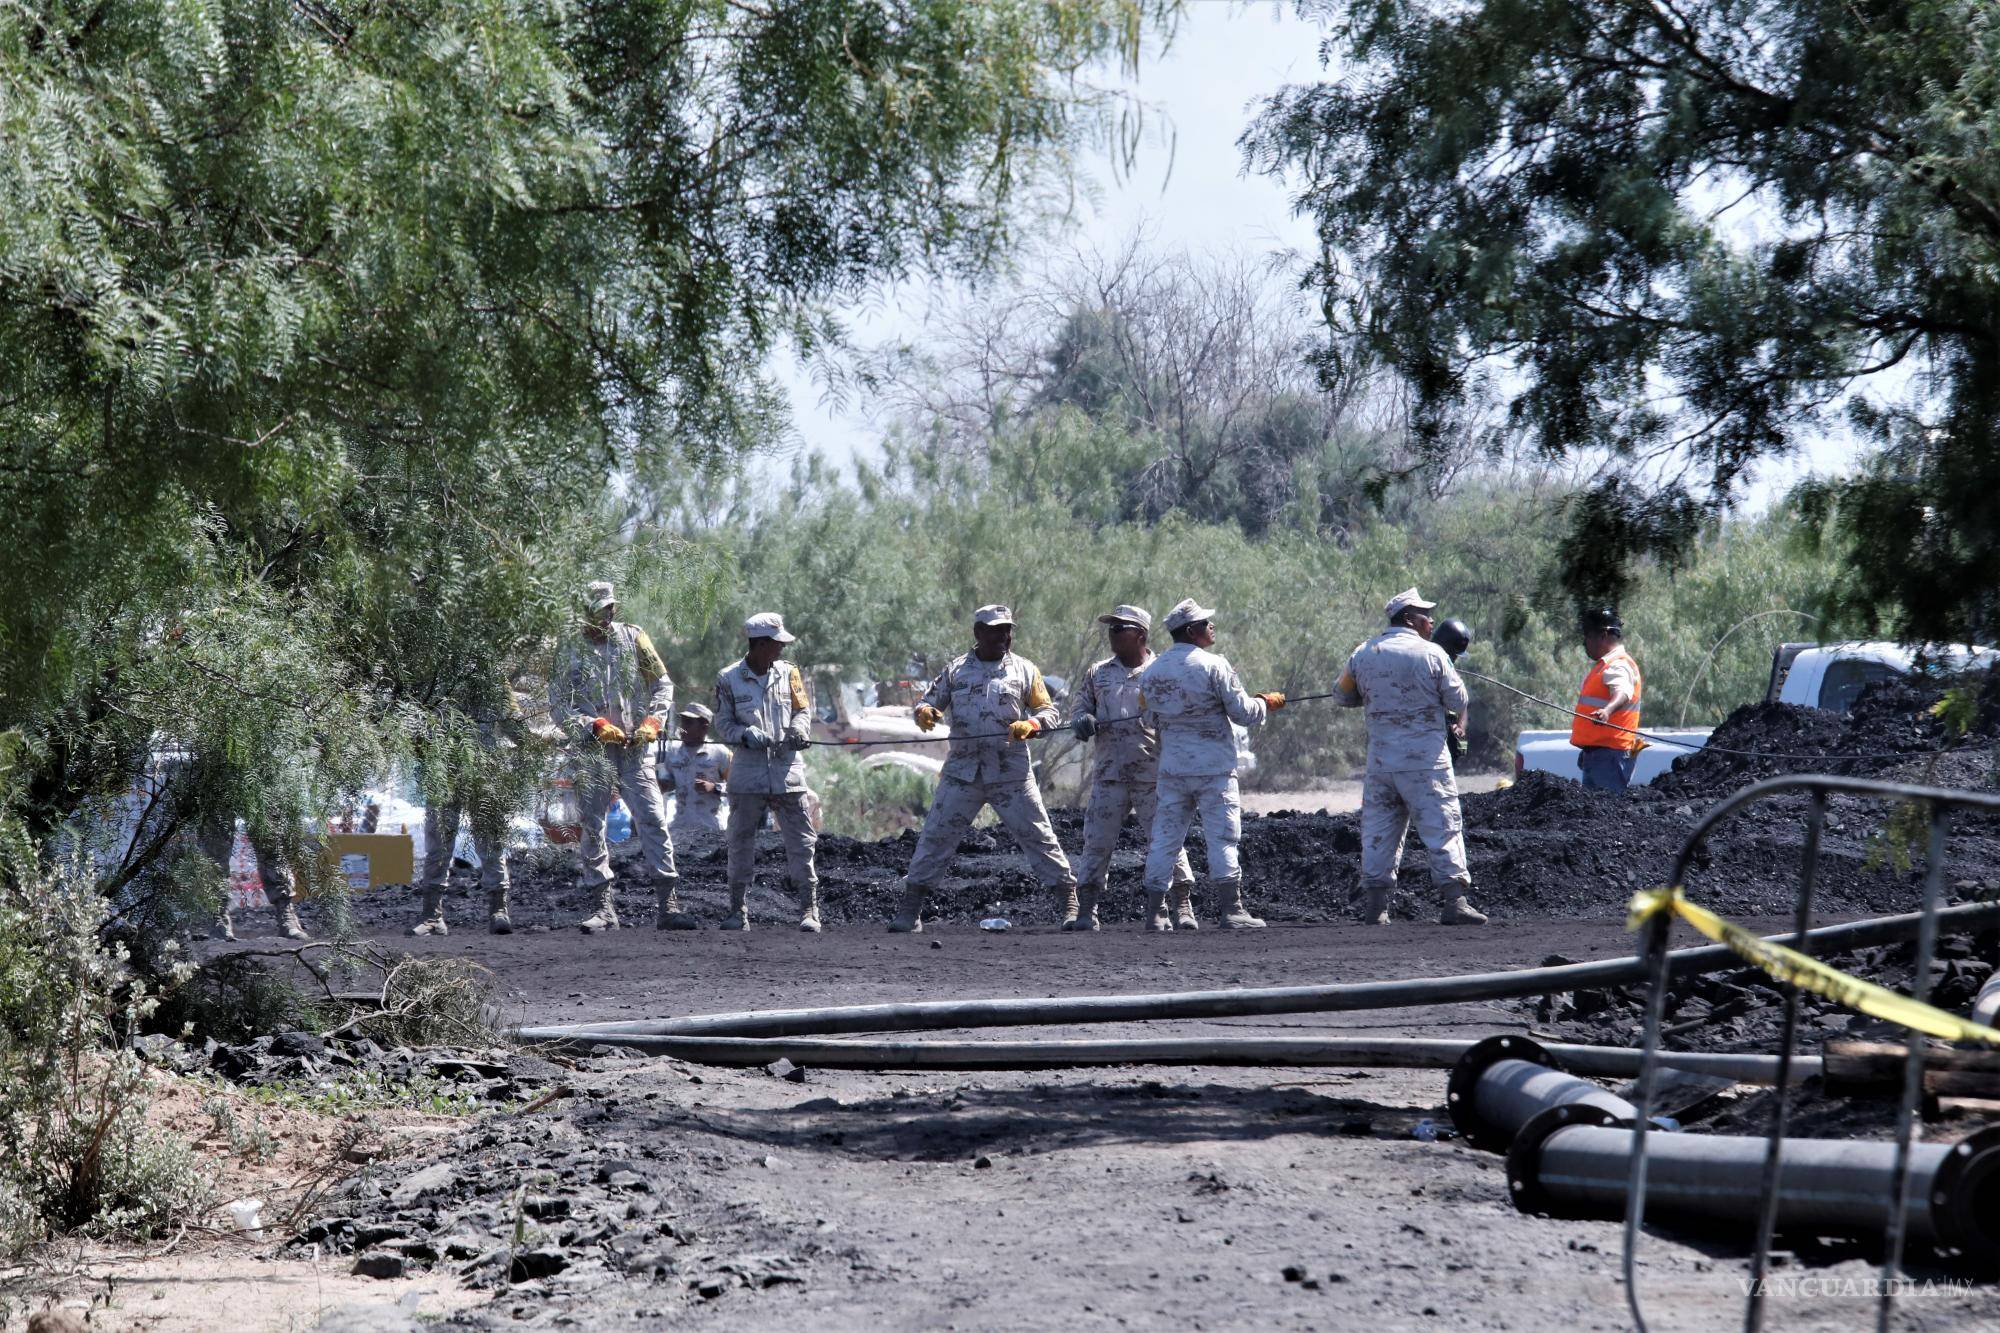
(303, 1059)
(557, 1208)
(1892, 733)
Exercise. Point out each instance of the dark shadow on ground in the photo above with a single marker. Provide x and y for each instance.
(1051, 1117)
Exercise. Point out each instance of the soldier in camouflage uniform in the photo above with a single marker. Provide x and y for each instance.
(996, 701)
(217, 839)
(764, 711)
(1407, 685)
(497, 715)
(1192, 695)
(609, 693)
(1125, 765)
(697, 769)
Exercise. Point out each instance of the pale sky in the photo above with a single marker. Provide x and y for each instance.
(1188, 190)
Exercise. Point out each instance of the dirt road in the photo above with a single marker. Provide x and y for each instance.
(1082, 1199)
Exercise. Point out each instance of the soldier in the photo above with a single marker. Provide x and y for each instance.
(1408, 685)
(217, 839)
(1125, 765)
(1192, 695)
(763, 710)
(609, 693)
(996, 702)
(697, 768)
(497, 716)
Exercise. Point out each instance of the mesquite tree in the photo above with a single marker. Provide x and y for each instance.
(341, 338)
(1688, 237)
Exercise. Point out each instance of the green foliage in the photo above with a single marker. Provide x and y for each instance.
(76, 1153)
(860, 801)
(1698, 233)
(346, 341)
(345, 1092)
(233, 998)
(879, 579)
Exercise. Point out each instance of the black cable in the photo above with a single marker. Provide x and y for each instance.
(1044, 731)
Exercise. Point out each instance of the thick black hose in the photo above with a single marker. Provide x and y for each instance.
(1254, 1052)
(1824, 1186)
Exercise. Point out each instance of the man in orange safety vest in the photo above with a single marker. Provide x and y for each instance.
(1605, 730)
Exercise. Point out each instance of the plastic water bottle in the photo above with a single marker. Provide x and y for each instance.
(618, 826)
(996, 924)
(1427, 1131)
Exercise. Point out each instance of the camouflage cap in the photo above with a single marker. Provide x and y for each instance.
(1409, 599)
(1126, 615)
(1186, 612)
(767, 625)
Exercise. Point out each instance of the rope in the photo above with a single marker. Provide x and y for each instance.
(1657, 739)
(1290, 699)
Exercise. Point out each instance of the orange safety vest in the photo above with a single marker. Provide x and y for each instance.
(1595, 694)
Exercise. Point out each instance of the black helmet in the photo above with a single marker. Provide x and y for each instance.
(1602, 620)
(1454, 636)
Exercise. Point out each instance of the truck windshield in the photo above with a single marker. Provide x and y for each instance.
(1847, 678)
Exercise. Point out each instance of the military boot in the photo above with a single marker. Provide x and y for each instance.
(1086, 910)
(809, 919)
(606, 916)
(1235, 916)
(223, 928)
(288, 917)
(498, 922)
(1454, 910)
(1163, 915)
(1069, 919)
(1375, 905)
(739, 910)
(667, 913)
(1184, 908)
(909, 919)
(432, 922)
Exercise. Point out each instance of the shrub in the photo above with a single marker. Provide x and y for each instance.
(858, 800)
(76, 1154)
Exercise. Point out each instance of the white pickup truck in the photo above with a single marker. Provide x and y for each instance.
(1811, 675)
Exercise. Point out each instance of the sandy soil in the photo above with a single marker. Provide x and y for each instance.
(289, 1156)
(235, 1285)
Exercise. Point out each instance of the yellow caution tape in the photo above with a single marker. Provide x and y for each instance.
(1795, 968)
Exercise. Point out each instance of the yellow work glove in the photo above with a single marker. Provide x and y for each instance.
(1020, 731)
(1273, 700)
(927, 717)
(647, 731)
(607, 732)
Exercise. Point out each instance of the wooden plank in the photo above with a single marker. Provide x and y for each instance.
(1962, 1083)
(1857, 1067)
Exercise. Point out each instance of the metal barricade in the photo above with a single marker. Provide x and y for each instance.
(1653, 948)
